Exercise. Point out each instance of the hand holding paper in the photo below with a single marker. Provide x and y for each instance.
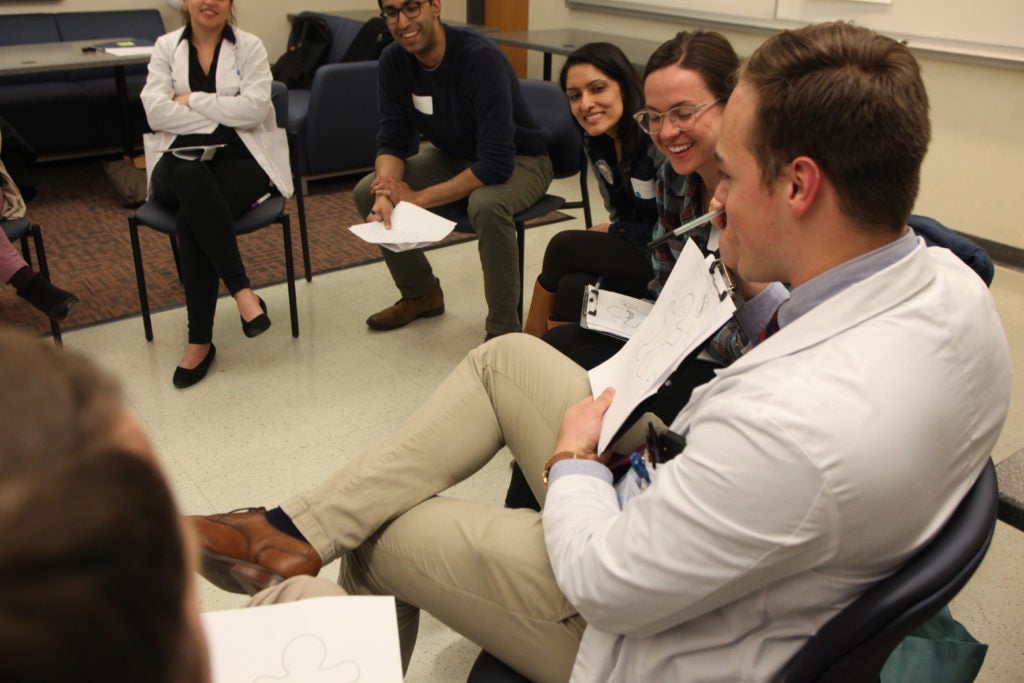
(411, 227)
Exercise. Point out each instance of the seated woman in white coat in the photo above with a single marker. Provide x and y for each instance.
(209, 84)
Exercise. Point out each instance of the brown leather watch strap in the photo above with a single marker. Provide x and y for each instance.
(564, 455)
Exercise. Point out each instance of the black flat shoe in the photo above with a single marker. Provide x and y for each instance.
(185, 378)
(257, 325)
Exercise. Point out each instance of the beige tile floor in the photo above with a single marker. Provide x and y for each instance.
(277, 414)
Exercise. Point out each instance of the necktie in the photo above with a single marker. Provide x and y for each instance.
(771, 328)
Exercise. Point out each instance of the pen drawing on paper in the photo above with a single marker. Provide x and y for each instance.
(305, 660)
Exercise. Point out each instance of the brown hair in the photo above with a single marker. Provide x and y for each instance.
(93, 572)
(54, 403)
(853, 101)
(706, 52)
(92, 561)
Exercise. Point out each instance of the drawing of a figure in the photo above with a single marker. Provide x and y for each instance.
(304, 660)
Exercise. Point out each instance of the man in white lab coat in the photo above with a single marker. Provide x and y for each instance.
(813, 467)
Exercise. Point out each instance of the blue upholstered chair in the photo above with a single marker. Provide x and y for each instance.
(21, 229)
(158, 217)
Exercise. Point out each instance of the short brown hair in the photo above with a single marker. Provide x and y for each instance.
(93, 572)
(54, 403)
(92, 559)
(853, 101)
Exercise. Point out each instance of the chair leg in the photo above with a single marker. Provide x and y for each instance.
(44, 270)
(303, 234)
(289, 269)
(521, 243)
(301, 188)
(140, 276)
(585, 193)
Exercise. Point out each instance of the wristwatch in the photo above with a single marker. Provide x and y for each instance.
(564, 455)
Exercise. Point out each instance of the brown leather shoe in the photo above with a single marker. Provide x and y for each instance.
(405, 311)
(243, 553)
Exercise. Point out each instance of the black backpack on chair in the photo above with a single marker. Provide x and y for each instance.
(371, 40)
(308, 48)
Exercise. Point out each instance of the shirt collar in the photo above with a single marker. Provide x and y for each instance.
(833, 281)
(227, 34)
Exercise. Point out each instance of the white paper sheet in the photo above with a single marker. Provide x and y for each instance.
(687, 312)
(612, 313)
(129, 51)
(411, 227)
(344, 639)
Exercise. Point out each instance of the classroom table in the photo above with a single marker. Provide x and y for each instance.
(564, 41)
(69, 56)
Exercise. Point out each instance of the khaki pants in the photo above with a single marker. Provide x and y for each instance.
(481, 569)
(490, 210)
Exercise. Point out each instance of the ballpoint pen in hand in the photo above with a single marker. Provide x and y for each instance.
(685, 227)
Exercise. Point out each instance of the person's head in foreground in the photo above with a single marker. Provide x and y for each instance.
(828, 125)
(96, 573)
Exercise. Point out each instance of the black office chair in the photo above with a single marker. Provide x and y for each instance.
(21, 229)
(855, 644)
(550, 109)
(158, 217)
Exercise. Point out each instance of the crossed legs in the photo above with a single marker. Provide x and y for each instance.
(481, 569)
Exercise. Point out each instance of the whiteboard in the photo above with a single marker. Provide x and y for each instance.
(999, 23)
(985, 30)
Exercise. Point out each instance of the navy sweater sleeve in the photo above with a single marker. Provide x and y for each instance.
(630, 200)
(470, 106)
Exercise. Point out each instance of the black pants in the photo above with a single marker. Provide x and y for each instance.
(590, 349)
(208, 196)
(575, 258)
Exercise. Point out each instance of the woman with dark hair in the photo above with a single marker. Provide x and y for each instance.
(604, 94)
(209, 85)
(687, 82)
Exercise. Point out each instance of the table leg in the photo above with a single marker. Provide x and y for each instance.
(547, 66)
(122, 99)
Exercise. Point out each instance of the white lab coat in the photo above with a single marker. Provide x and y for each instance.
(242, 101)
(814, 466)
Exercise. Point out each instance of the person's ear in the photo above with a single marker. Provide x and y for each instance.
(803, 179)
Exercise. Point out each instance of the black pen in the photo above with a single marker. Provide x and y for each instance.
(685, 227)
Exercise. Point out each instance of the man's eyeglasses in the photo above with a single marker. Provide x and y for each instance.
(683, 118)
(409, 9)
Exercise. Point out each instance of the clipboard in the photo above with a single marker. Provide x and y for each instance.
(619, 315)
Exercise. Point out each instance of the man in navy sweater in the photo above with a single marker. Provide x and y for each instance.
(456, 89)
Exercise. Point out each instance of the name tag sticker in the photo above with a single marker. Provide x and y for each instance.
(424, 104)
(642, 189)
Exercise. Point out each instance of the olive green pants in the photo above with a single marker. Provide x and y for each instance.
(490, 209)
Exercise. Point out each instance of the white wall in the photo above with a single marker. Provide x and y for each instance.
(973, 175)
